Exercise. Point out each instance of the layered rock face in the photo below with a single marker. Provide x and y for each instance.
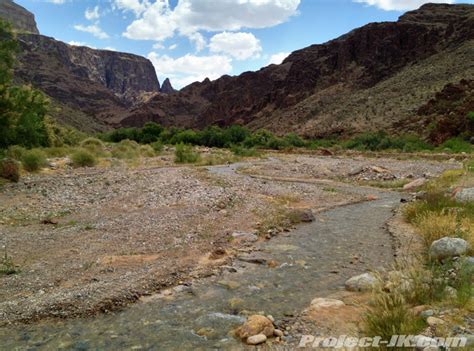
(22, 20)
(101, 84)
(367, 79)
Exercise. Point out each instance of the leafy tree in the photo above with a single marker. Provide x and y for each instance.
(22, 108)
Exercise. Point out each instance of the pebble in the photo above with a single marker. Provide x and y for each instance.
(256, 339)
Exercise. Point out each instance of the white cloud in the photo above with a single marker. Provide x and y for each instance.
(159, 21)
(198, 40)
(172, 47)
(238, 45)
(58, 2)
(400, 5)
(190, 68)
(110, 48)
(93, 29)
(278, 58)
(158, 46)
(92, 14)
(136, 6)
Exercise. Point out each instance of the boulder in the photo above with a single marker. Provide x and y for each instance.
(363, 282)
(448, 248)
(414, 184)
(465, 195)
(434, 321)
(255, 325)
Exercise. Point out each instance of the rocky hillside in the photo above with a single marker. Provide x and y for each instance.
(22, 20)
(370, 78)
(89, 88)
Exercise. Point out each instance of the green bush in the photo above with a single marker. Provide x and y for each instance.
(185, 154)
(243, 151)
(33, 160)
(147, 151)
(157, 146)
(16, 152)
(456, 145)
(10, 170)
(260, 138)
(58, 151)
(150, 133)
(83, 158)
(126, 149)
(294, 140)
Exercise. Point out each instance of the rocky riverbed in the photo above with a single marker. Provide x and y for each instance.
(93, 241)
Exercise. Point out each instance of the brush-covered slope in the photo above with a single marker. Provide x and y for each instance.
(370, 78)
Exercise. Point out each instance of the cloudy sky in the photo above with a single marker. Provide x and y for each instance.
(189, 40)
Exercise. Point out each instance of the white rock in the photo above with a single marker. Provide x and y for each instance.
(448, 247)
(319, 303)
(465, 195)
(421, 342)
(256, 339)
(363, 282)
(433, 321)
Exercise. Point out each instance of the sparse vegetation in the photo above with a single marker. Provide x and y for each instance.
(83, 158)
(184, 154)
(33, 160)
(10, 170)
(7, 267)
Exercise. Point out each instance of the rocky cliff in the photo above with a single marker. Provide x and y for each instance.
(98, 83)
(22, 20)
(367, 79)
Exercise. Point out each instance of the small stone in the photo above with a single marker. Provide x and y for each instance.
(229, 284)
(433, 321)
(256, 324)
(450, 292)
(278, 333)
(363, 282)
(414, 184)
(426, 314)
(465, 195)
(321, 303)
(256, 339)
(243, 236)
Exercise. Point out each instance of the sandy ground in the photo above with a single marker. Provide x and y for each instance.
(92, 240)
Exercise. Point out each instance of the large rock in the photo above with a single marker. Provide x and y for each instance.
(255, 325)
(465, 195)
(166, 87)
(363, 282)
(448, 247)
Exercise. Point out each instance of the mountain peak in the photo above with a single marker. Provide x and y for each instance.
(21, 19)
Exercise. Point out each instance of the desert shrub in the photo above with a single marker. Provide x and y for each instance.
(293, 139)
(187, 136)
(276, 143)
(16, 152)
(83, 158)
(10, 170)
(94, 146)
(150, 133)
(260, 138)
(463, 283)
(236, 134)
(389, 314)
(33, 160)
(126, 149)
(321, 143)
(118, 135)
(185, 154)
(7, 267)
(213, 137)
(456, 145)
(243, 151)
(157, 146)
(57, 151)
(147, 151)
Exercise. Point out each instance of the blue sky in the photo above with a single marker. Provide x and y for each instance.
(188, 40)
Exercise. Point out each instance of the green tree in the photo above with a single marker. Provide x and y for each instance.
(22, 108)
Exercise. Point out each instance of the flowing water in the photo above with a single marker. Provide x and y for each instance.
(313, 261)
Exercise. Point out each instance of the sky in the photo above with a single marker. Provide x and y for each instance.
(190, 40)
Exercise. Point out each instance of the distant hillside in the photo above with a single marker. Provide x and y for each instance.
(371, 78)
